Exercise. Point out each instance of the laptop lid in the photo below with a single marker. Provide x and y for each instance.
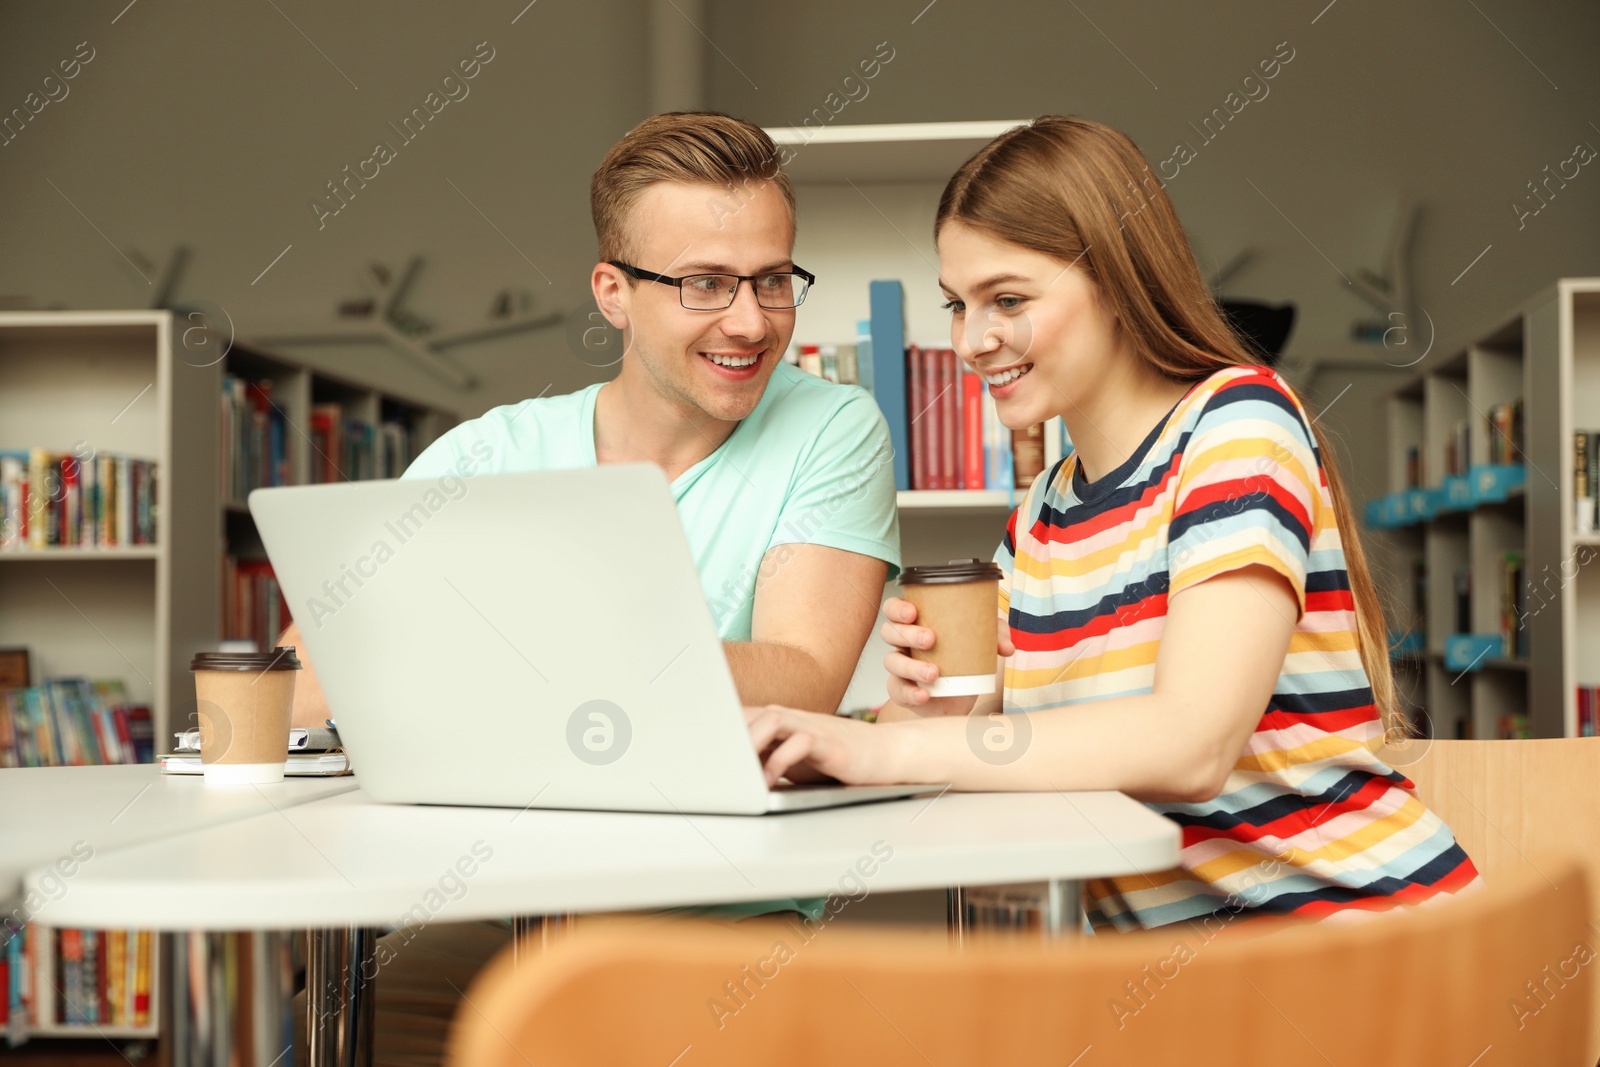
(515, 639)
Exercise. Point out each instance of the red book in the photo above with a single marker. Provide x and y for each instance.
(915, 403)
(102, 998)
(70, 503)
(972, 437)
(950, 460)
(119, 718)
(932, 416)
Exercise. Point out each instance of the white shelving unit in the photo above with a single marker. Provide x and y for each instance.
(116, 382)
(866, 197)
(121, 383)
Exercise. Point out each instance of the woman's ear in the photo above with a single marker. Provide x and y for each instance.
(612, 294)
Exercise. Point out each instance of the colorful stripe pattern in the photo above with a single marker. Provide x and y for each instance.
(1311, 822)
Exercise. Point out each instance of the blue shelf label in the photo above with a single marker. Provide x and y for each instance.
(1456, 493)
(1493, 483)
(1421, 504)
(1466, 652)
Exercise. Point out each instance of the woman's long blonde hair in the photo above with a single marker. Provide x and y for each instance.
(1080, 192)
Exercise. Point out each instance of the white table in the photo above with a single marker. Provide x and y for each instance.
(347, 862)
(54, 814)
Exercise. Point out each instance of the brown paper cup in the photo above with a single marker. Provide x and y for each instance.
(958, 602)
(245, 701)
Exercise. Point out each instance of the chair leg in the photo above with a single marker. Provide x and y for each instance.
(532, 934)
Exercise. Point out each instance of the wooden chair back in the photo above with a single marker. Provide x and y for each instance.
(1431, 984)
(1511, 802)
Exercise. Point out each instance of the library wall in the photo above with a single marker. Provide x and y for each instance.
(1370, 108)
(243, 122)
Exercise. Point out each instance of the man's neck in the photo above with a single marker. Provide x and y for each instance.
(634, 423)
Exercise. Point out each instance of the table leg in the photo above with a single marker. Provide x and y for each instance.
(1059, 906)
(1063, 908)
(532, 934)
(955, 913)
(340, 999)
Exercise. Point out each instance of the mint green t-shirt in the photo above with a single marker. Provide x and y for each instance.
(812, 464)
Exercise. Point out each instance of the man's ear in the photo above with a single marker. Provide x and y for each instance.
(611, 294)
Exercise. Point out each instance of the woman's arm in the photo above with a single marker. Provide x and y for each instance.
(908, 700)
(1222, 650)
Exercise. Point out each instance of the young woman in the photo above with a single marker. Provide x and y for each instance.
(1186, 613)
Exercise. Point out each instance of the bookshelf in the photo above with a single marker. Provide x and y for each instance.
(1459, 528)
(866, 198)
(289, 408)
(105, 383)
(122, 383)
(113, 382)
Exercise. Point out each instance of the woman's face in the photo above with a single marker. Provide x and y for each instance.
(1030, 324)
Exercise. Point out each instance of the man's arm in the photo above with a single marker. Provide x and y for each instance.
(814, 609)
(310, 706)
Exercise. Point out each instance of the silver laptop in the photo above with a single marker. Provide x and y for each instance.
(522, 640)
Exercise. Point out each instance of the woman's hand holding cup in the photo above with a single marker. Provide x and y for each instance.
(916, 667)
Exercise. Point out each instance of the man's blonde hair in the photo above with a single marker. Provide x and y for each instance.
(695, 147)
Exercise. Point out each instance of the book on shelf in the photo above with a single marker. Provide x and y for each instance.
(887, 328)
(253, 606)
(943, 426)
(255, 439)
(1463, 599)
(93, 979)
(70, 500)
(1585, 478)
(1513, 634)
(954, 430)
(1588, 707)
(233, 998)
(1505, 432)
(73, 722)
(1458, 448)
(349, 449)
(1512, 727)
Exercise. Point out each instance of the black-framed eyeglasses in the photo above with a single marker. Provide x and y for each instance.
(775, 290)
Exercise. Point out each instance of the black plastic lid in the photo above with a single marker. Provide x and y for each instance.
(957, 570)
(281, 658)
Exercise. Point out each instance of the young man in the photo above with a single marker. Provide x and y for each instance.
(783, 481)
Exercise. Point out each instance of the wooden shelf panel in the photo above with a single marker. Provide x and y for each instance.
(925, 501)
(36, 555)
(884, 152)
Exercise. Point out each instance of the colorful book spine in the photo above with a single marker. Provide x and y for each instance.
(916, 386)
(141, 988)
(972, 431)
(950, 464)
(933, 417)
(886, 300)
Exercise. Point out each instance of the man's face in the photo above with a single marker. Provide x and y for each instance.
(681, 229)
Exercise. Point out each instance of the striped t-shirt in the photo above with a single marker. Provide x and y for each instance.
(1310, 822)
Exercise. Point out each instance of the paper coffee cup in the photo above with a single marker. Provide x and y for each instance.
(245, 702)
(959, 602)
